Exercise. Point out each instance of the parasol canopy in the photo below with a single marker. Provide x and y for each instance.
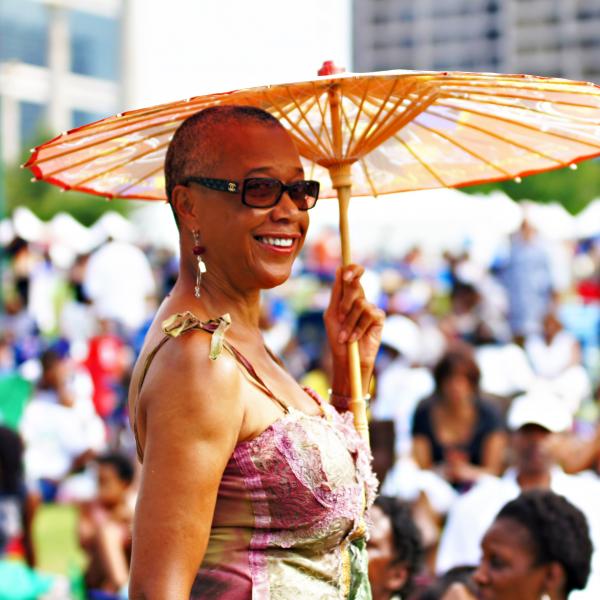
(372, 133)
(399, 131)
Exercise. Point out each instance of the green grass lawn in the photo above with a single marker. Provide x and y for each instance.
(55, 541)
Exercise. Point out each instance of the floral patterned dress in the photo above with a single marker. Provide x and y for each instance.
(289, 518)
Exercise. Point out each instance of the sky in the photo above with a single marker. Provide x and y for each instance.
(186, 48)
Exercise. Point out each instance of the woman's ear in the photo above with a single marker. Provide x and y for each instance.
(554, 580)
(184, 206)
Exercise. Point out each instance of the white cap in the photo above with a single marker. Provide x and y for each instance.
(403, 335)
(539, 407)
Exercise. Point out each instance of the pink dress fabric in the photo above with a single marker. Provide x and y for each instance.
(290, 505)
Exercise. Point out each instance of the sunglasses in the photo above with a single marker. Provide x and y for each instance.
(264, 192)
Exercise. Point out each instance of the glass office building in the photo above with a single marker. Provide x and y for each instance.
(59, 67)
(545, 37)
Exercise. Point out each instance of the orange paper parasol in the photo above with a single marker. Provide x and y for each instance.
(372, 133)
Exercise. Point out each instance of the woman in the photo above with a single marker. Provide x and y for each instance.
(538, 547)
(455, 430)
(251, 487)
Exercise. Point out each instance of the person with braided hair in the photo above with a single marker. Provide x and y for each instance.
(538, 547)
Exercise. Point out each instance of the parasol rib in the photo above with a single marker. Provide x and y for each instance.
(118, 166)
(408, 115)
(95, 143)
(357, 119)
(323, 118)
(467, 90)
(421, 162)
(368, 128)
(125, 189)
(304, 116)
(517, 123)
(463, 148)
(365, 169)
(315, 150)
(499, 137)
(103, 155)
(125, 121)
(554, 116)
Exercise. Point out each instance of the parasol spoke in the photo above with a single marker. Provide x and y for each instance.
(368, 177)
(415, 109)
(301, 137)
(121, 165)
(518, 124)
(94, 143)
(499, 137)
(374, 119)
(423, 163)
(101, 155)
(491, 98)
(154, 171)
(304, 116)
(494, 101)
(463, 148)
(359, 111)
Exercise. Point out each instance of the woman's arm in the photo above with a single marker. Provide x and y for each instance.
(421, 449)
(190, 418)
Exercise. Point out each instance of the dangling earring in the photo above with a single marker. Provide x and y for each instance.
(198, 251)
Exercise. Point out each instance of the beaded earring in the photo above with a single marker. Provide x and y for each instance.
(198, 251)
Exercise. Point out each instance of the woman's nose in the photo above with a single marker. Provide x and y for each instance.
(286, 208)
(480, 575)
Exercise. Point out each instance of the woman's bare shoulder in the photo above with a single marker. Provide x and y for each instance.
(183, 384)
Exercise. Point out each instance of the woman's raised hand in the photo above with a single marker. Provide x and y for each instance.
(351, 317)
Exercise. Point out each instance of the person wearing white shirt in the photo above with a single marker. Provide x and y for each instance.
(533, 423)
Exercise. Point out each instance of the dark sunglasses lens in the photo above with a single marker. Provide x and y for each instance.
(261, 191)
(304, 193)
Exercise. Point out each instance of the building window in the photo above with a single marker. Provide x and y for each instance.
(95, 43)
(31, 122)
(79, 118)
(24, 32)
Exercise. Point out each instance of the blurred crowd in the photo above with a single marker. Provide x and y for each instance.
(484, 405)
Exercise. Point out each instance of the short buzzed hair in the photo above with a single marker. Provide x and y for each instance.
(194, 142)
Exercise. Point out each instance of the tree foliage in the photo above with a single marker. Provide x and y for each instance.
(573, 189)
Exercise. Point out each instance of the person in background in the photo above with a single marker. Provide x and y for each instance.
(527, 278)
(16, 505)
(535, 422)
(555, 355)
(455, 431)
(56, 443)
(395, 549)
(537, 547)
(105, 525)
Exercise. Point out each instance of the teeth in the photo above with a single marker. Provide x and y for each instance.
(283, 242)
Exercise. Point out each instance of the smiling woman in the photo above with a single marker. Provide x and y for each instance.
(252, 487)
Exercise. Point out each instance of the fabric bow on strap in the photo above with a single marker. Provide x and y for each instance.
(179, 323)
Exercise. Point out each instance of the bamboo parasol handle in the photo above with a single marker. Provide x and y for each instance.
(342, 182)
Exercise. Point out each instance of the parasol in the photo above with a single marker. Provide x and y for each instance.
(372, 133)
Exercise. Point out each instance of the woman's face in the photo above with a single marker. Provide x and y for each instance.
(507, 570)
(457, 387)
(250, 248)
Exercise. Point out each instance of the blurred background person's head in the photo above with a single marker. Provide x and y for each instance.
(538, 547)
(534, 420)
(115, 476)
(395, 549)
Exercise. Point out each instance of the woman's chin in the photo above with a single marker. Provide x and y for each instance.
(273, 279)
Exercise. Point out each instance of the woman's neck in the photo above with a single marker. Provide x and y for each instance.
(217, 297)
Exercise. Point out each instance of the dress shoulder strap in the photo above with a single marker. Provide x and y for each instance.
(180, 323)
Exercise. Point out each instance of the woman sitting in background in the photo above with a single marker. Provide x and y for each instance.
(454, 430)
